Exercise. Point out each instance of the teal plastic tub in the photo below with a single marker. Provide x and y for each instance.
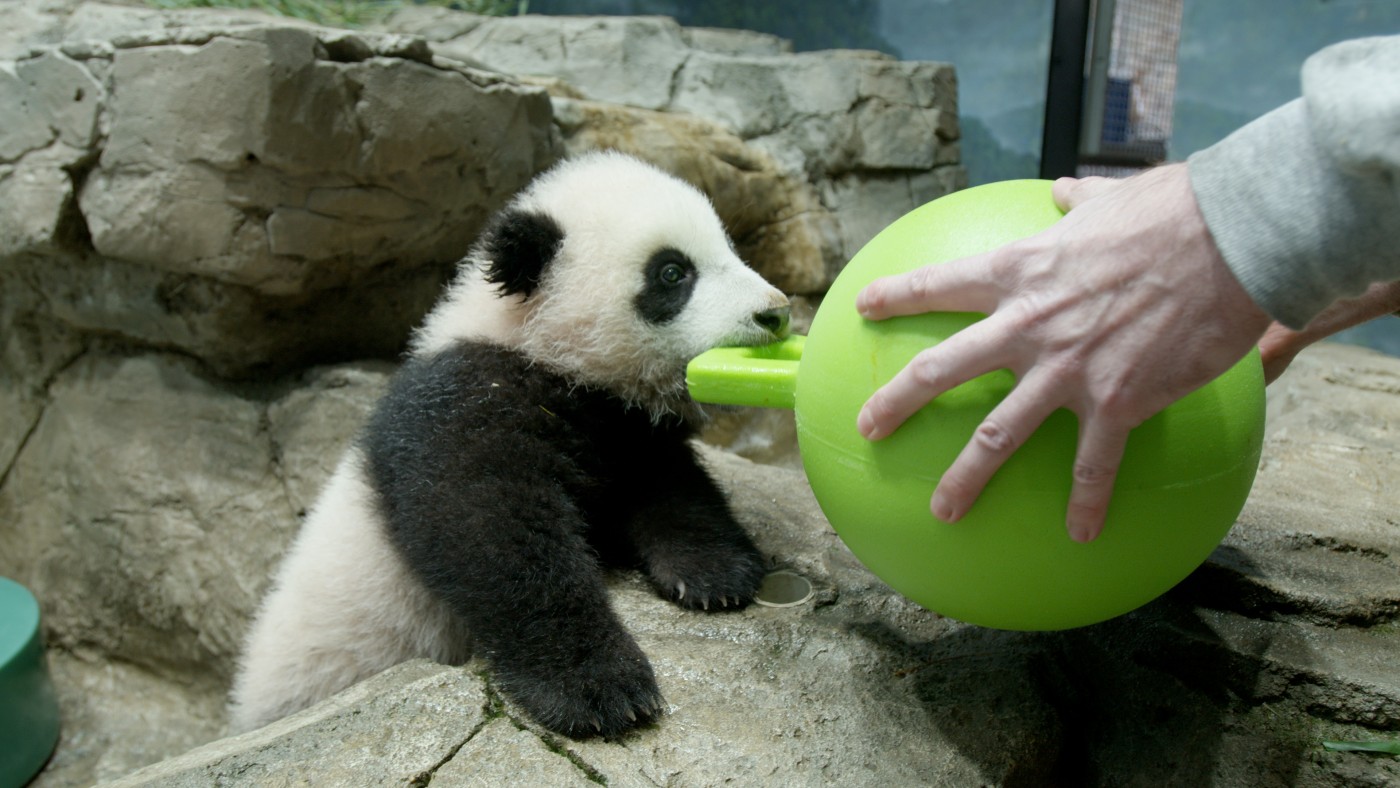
(28, 706)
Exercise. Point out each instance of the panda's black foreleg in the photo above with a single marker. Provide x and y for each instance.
(693, 550)
(553, 641)
(476, 482)
(513, 563)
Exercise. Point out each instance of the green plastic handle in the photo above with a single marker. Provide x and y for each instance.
(764, 376)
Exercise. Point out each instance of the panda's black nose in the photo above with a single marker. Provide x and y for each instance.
(775, 320)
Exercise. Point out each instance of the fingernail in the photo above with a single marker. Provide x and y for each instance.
(1081, 533)
(865, 423)
(943, 509)
(861, 306)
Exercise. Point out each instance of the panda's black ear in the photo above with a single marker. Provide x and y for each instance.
(518, 245)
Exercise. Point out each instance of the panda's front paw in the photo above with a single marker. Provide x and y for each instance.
(603, 690)
(711, 580)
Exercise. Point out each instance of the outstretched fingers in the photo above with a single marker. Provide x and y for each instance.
(1005, 430)
(1096, 462)
(955, 286)
(1010, 424)
(974, 351)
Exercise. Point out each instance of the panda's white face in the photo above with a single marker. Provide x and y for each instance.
(617, 275)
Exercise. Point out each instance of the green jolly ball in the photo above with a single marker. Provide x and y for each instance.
(1009, 562)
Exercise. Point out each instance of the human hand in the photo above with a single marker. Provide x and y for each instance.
(1114, 312)
(1280, 344)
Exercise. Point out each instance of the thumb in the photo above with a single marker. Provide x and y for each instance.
(1072, 192)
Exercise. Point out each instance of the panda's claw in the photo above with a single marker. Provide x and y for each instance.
(714, 580)
(611, 690)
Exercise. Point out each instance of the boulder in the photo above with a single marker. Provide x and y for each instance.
(148, 503)
(254, 194)
(420, 712)
(311, 206)
(865, 138)
(147, 510)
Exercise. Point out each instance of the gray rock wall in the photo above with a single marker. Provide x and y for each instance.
(253, 196)
(263, 194)
(868, 137)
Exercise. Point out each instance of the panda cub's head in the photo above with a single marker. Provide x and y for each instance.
(614, 274)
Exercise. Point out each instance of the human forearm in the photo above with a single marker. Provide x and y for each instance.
(1281, 344)
(1302, 203)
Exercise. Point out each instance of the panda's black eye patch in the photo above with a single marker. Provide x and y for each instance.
(668, 282)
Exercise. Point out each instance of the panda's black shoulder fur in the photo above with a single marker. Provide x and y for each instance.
(477, 409)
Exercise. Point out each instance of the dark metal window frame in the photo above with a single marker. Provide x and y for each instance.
(1076, 94)
(1064, 90)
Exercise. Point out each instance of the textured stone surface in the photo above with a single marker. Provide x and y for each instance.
(117, 717)
(304, 171)
(148, 504)
(309, 206)
(308, 209)
(1233, 678)
(393, 729)
(867, 137)
(147, 511)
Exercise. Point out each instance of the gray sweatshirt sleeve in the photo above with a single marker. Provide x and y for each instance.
(1304, 203)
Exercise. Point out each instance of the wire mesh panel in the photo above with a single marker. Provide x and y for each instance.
(1131, 84)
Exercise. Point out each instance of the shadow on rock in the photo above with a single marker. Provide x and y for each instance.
(1156, 697)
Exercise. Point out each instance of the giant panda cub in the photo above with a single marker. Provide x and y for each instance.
(537, 433)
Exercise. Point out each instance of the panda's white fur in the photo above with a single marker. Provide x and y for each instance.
(343, 607)
(344, 604)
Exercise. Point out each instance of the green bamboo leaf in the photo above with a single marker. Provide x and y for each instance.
(1390, 747)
